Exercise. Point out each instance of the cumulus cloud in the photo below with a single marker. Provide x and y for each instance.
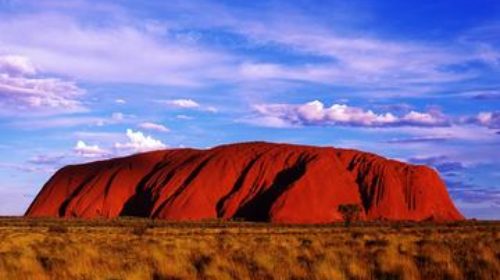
(154, 126)
(89, 151)
(138, 142)
(487, 119)
(135, 142)
(423, 119)
(315, 113)
(22, 89)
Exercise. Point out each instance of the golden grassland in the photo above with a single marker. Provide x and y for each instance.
(146, 249)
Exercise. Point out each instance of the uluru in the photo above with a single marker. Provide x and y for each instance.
(257, 181)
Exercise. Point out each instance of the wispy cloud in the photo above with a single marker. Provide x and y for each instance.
(442, 163)
(186, 103)
(183, 117)
(23, 89)
(46, 159)
(97, 52)
(467, 193)
(182, 103)
(69, 121)
(154, 126)
(467, 132)
(107, 53)
(422, 139)
(487, 95)
(25, 168)
(356, 59)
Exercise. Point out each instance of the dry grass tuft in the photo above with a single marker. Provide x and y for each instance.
(130, 248)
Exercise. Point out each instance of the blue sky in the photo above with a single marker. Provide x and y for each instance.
(418, 81)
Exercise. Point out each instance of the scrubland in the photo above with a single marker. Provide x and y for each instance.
(146, 249)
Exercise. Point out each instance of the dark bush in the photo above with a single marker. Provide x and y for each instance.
(140, 230)
(350, 212)
(376, 243)
(57, 229)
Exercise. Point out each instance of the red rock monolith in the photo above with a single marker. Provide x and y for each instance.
(252, 181)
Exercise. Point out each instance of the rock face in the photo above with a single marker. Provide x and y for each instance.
(252, 181)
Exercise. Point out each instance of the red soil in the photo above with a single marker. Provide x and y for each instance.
(254, 181)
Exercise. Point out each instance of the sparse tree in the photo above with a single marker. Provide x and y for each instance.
(350, 212)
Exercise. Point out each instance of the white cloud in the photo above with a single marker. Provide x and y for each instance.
(183, 117)
(423, 119)
(22, 90)
(315, 113)
(186, 103)
(138, 142)
(117, 116)
(89, 151)
(183, 103)
(353, 58)
(154, 126)
(120, 101)
(105, 53)
(97, 53)
(15, 65)
(131, 142)
(488, 119)
(484, 117)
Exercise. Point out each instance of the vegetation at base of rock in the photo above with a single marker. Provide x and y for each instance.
(350, 212)
(131, 248)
